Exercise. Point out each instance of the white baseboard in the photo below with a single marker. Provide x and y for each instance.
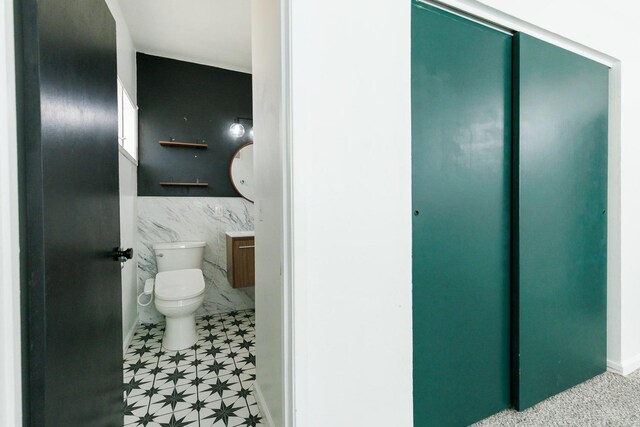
(625, 367)
(262, 405)
(127, 339)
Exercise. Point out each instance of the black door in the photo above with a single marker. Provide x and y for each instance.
(68, 124)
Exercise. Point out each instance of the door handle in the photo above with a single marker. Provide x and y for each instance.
(246, 247)
(122, 255)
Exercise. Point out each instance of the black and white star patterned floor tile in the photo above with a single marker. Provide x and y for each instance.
(208, 385)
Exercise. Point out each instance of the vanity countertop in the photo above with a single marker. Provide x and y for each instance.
(241, 233)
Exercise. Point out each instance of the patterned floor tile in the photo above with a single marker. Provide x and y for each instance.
(208, 385)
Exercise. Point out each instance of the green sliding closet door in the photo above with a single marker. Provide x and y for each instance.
(461, 151)
(560, 248)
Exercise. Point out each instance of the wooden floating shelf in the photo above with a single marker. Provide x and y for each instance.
(183, 144)
(185, 184)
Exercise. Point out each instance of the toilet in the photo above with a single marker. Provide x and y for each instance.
(178, 290)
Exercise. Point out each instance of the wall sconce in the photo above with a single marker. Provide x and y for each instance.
(236, 130)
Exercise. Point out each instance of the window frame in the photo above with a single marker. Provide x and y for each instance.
(130, 152)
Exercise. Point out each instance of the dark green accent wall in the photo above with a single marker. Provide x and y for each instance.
(461, 153)
(188, 102)
(561, 190)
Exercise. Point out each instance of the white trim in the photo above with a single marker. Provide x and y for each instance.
(262, 406)
(454, 11)
(126, 155)
(126, 342)
(288, 370)
(122, 94)
(625, 368)
(124, 90)
(506, 21)
(10, 339)
(614, 218)
(614, 367)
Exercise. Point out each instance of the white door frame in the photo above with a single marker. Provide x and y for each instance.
(287, 226)
(286, 328)
(10, 342)
(472, 8)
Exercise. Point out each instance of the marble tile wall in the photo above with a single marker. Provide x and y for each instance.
(167, 219)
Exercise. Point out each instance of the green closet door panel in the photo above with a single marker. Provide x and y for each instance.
(561, 192)
(461, 150)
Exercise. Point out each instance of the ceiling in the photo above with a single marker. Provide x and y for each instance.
(210, 32)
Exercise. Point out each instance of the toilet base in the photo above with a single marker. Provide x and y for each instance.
(180, 332)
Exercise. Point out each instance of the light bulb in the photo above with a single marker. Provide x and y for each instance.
(236, 130)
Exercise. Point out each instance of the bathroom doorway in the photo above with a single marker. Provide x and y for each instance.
(213, 379)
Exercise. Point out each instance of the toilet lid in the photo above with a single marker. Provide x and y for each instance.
(179, 284)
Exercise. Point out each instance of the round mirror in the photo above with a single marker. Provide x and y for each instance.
(241, 171)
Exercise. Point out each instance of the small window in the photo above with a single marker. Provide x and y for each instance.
(127, 123)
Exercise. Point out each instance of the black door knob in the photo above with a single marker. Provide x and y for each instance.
(122, 255)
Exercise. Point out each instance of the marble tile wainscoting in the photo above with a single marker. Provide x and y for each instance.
(170, 219)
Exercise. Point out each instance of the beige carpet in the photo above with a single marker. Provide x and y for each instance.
(606, 400)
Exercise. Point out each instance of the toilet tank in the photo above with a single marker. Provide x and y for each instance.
(179, 255)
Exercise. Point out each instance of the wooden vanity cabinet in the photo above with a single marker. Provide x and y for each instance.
(241, 261)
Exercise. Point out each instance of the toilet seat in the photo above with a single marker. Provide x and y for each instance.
(179, 284)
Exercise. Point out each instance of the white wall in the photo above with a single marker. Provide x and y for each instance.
(612, 29)
(128, 179)
(10, 386)
(271, 340)
(126, 51)
(351, 130)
